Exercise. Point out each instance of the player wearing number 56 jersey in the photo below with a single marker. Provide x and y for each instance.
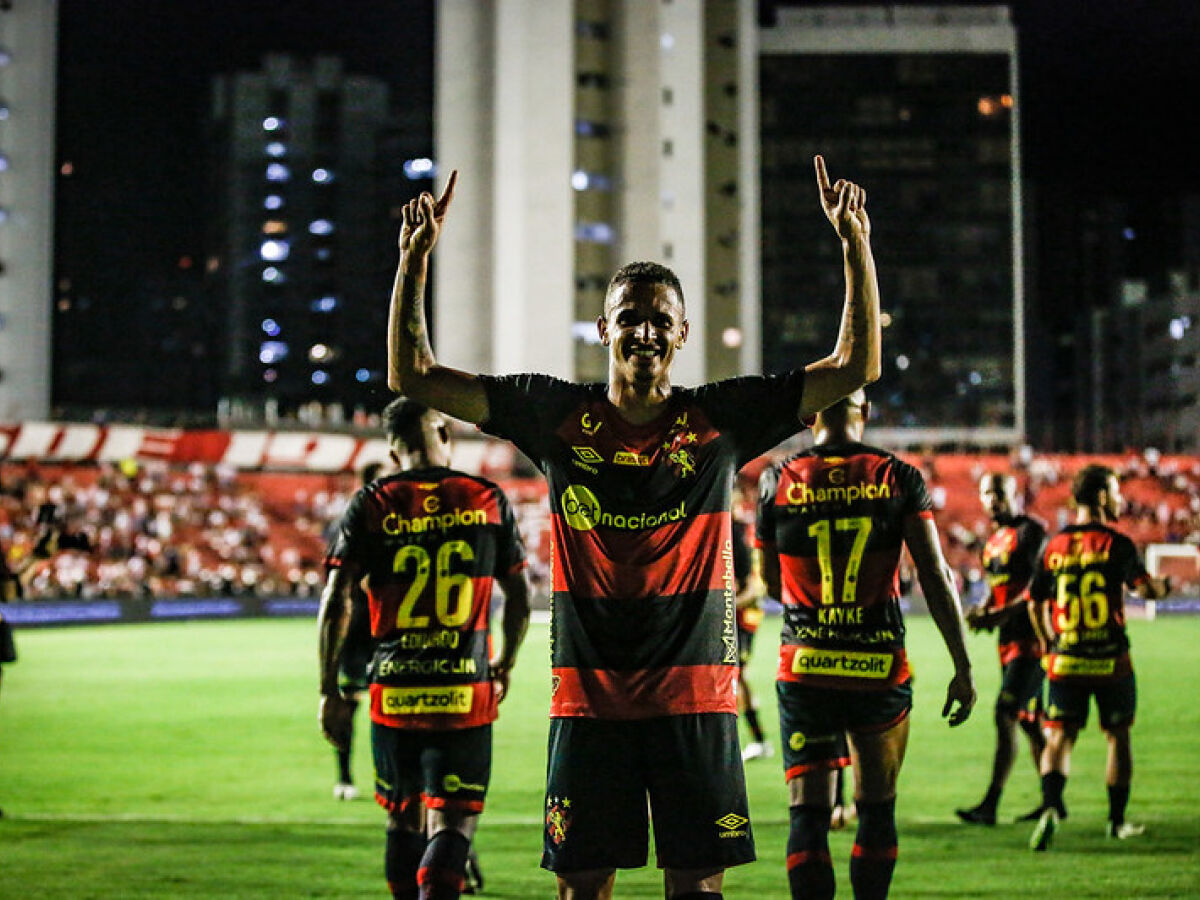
(832, 522)
(1079, 591)
(428, 543)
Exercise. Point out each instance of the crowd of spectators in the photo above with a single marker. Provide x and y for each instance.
(206, 530)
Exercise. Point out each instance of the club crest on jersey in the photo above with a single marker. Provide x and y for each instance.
(680, 458)
(558, 819)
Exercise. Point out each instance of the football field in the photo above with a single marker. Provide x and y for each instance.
(184, 760)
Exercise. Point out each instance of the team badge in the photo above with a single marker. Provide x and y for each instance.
(680, 457)
(558, 819)
(555, 681)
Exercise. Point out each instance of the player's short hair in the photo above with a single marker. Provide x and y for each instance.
(370, 472)
(402, 421)
(1089, 482)
(855, 399)
(644, 273)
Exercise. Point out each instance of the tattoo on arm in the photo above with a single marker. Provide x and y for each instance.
(412, 301)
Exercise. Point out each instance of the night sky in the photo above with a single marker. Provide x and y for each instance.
(1110, 92)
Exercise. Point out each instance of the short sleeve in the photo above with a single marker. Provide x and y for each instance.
(914, 490)
(764, 526)
(510, 548)
(525, 408)
(1133, 571)
(756, 411)
(345, 545)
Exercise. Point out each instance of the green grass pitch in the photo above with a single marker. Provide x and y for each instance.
(183, 760)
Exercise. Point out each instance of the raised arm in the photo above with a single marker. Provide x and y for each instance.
(855, 360)
(941, 596)
(513, 624)
(412, 368)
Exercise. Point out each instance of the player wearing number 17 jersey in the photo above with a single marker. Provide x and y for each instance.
(429, 543)
(1079, 595)
(832, 522)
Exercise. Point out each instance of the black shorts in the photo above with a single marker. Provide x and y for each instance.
(446, 769)
(813, 722)
(745, 640)
(1021, 688)
(1067, 702)
(601, 772)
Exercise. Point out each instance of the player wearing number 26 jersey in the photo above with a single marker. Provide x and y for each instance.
(427, 543)
(832, 522)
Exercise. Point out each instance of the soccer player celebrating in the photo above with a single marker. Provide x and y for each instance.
(1010, 558)
(832, 521)
(429, 542)
(1079, 596)
(644, 659)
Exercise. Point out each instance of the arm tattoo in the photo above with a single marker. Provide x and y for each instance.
(412, 302)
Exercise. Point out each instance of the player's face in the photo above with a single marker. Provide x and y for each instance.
(996, 498)
(643, 326)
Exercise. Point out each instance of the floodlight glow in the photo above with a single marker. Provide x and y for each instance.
(274, 250)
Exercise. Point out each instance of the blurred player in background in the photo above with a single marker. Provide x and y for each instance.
(1078, 592)
(747, 576)
(832, 521)
(429, 542)
(1010, 557)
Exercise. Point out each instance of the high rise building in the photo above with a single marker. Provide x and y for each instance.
(27, 77)
(920, 105)
(305, 160)
(589, 134)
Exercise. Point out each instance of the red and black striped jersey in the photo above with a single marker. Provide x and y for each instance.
(429, 543)
(643, 586)
(835, 516)
(1010, 557)
(1083, 575)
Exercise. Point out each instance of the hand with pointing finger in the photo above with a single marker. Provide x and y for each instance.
(845, 204)
(422, 220)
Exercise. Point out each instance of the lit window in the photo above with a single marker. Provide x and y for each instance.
(270, 352)
(278, 172)
(1129, 234)
(975, 378)
(590, 181)
(323, 254)
(270, 376)
(1178, 327)
(274, 250)
(272, 275)
(276, 149)
(594, 232)
(885, 319)
(324, 304)
(322, 176)
(273, 201)
(732, 337)
(272, 123)
(271, 327)
(320, 226)
(902, 362)
(416, 169)
(318, 353)
(320, 376)
(275, 226)
(362, 375)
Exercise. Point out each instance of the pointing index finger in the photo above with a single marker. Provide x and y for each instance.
(448, 192)
(822, 175)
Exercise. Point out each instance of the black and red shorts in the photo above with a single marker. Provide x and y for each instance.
(1021, 688)
(600, 774)
(814, 721)
(446, 769)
